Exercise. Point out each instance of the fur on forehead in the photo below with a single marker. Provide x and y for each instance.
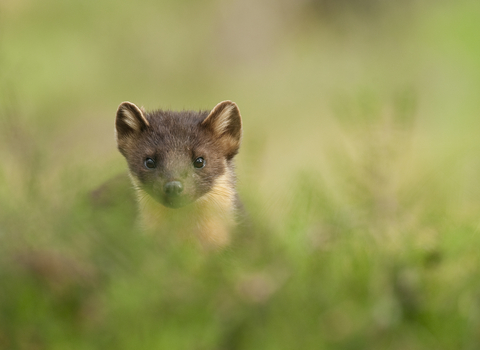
(166, 119)
(174, 126)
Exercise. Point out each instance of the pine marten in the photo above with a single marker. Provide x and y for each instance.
(181, 166)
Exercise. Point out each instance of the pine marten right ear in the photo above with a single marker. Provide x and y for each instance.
(226, 124)
(130, 120)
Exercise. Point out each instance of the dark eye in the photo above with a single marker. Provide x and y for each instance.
(150, 163)
(199, 163)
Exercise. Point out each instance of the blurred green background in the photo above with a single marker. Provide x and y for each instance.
(359, 169)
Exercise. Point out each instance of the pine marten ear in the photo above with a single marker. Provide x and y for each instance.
(226, 123)
(130, 120)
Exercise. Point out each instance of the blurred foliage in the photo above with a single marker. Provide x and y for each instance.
(359, 170)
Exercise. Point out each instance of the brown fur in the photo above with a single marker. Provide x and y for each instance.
(206, 207)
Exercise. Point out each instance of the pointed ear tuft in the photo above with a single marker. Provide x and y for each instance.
(130, 120)
(225, 121)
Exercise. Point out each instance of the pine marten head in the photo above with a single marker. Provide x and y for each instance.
(176, 157)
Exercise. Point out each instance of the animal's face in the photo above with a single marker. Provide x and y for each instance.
(176, 157)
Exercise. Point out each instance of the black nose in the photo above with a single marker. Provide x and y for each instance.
(173, 188)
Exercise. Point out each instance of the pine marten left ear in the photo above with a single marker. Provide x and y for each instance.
(130, 120)
(226, 123)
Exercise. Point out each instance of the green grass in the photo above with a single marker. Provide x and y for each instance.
(359, 170)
